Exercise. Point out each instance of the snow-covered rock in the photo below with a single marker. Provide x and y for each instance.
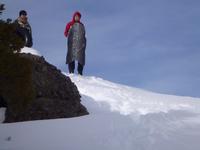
(30, 50)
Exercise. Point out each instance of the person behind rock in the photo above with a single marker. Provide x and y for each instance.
(23, 28)
(75, 31)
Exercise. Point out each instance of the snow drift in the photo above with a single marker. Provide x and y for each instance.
(128, 100)
(30, 50)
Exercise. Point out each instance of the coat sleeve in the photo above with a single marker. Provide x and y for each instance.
(31, 38)
(67, 29)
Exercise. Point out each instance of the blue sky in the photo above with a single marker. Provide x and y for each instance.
(150, 44)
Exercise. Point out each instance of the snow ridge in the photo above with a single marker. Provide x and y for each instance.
(128, 100)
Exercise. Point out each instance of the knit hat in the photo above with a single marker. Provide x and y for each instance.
(22, 12)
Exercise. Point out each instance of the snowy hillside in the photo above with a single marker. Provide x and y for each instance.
(121, 118)
(128, 101)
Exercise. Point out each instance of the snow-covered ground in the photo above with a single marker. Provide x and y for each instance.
(121, 118)
(30, 50)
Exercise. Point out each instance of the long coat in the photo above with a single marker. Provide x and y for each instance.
(24, 31)
(76, 44)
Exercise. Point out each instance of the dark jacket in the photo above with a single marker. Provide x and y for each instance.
(24, 31)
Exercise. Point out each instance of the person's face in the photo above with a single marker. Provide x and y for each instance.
(24, 18)
(77, 18)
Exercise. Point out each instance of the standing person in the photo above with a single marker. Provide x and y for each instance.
(23, 28)
(75, 31)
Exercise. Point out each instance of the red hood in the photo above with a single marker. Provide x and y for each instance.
(71, 23)
(76, 13)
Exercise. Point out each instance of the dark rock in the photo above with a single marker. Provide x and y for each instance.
(56, 95)
(2, 102)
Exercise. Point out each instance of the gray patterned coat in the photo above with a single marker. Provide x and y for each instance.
(76, 44)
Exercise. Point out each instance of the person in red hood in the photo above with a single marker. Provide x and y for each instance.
(75, 32)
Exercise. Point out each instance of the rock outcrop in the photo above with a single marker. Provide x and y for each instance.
(56, 95)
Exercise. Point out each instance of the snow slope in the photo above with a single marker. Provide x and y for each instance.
(128, 100)
(121, 118)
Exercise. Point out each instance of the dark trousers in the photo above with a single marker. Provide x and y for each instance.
(71, 67)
